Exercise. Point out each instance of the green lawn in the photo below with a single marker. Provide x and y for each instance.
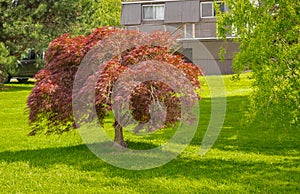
(244, 159)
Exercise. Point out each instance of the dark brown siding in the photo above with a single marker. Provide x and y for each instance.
(182, 11)
(151, 28)
(172, 12)
(190, 11)
(205, 29)
(131, 14)
(206, 55)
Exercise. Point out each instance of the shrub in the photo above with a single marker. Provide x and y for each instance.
(53, 89)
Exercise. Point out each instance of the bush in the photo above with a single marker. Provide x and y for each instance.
(51, 96)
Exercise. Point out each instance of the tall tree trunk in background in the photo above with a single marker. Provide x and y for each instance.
(119, 138)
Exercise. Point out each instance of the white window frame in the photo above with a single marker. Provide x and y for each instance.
(212, 11)
(213, 8)
(153, 5)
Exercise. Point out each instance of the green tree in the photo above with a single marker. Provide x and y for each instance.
(268, 32)
(5, 62)
(33, 24)
(97, 13)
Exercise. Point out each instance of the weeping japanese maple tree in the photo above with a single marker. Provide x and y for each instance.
(118, 56)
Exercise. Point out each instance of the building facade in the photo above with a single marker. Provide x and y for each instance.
(194, 19)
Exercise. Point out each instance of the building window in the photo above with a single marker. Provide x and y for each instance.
(208, 9)
(154, 12)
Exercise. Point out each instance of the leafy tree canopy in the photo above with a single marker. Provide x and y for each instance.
(50, 102)
(33, 24)
(97, 13)
(268, 33)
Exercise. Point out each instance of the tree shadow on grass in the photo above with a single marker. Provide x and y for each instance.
(73, 155)
(258, 137)
(140, 145)
(234, 175)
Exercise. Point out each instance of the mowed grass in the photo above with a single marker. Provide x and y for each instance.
(244, 159)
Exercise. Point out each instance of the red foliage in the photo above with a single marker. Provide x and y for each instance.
(51, 98)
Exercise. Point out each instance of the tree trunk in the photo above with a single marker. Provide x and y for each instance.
(119, 138)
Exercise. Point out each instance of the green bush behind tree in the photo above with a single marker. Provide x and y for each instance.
(6, 62)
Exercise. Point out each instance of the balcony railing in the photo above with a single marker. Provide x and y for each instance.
(185, 31)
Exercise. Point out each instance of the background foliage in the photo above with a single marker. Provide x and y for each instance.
(5, 62)
(268, 33)
(97, 13)
(33, 24)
